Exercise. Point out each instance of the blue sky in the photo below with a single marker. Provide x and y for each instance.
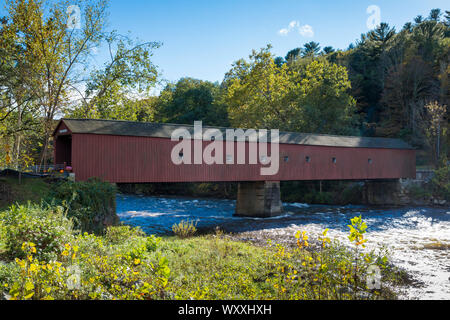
(201, 38)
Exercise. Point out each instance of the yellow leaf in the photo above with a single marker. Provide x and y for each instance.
(29, 286)
(28, 296)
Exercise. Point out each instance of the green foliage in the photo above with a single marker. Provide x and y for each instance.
(90, 204)
(440, 184)
(191, 100)
(48, 228)
(197, 190)
(185, 229)
(318, 198)
(2, 236)
(129, 71)
(119, 234)
(214, 267)
(394, 75)
(125, 264)
(79, 273)
(121, 265)
(333, 192)
(305, 97)
(29, 189)
(350, 194)
(45, 62)
(357, 230)
(419, 192)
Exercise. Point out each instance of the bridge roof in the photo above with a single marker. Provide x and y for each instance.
(158, 130)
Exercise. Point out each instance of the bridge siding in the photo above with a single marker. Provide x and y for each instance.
(128, 159)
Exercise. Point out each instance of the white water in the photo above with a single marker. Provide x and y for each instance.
(419, 238)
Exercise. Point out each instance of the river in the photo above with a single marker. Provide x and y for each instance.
(418, 237)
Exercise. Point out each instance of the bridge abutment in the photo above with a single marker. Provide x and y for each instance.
(259, 199)
(386, 192)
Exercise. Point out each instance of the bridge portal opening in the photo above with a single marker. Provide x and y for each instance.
(63, 150)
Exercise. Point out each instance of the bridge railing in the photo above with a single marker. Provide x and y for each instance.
(36, 169)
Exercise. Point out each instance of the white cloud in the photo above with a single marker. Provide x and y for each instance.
(306, 31)
(292, 25)
(283, 32)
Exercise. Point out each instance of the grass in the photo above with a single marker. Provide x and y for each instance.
(213, 267)
(11, 191)
(30, 189)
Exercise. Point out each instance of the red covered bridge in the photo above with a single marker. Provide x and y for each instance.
(136, 152)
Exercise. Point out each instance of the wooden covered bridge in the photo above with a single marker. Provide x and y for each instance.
(136, 152)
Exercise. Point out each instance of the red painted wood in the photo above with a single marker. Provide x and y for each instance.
(127, 159)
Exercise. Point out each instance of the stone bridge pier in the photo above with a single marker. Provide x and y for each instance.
(386, 192)
(259, 199)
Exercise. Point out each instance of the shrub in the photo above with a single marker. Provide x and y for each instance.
(184, 229)
(90, 204)
(319, 198)
(419, 192)
(440, 183)
(351, 194)
(2, 236)
(9, 273)
(331, 271)
(47, 227)
(120, 234)
(86, 275)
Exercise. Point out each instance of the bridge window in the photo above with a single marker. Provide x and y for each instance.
(308, 159)
(370, 161)
(334, 160)
(286, 159)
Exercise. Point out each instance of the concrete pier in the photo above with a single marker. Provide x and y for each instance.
(385, 192)
(259, 199)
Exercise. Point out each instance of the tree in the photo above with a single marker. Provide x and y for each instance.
(435, 14)
(328, 50)
(311, 97)
(293, 54)
(408, 27)
(435, 126)
(418, 19)
(311, 49)
(50, 58)
(394, 75)
(323, 100)
(191, 100)
(381, 35)
(257, 91)
(426, 37)
(407, 88)
(125, 78)
(279, 61)
(51, 52)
